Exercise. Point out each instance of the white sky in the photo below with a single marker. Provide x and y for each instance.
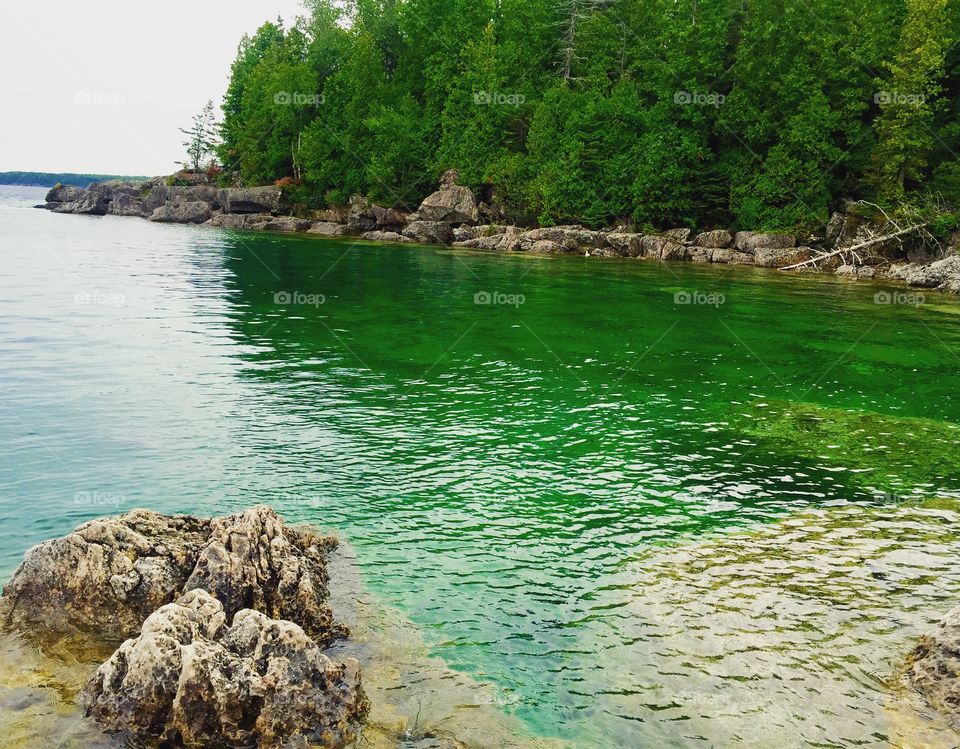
(101, 87)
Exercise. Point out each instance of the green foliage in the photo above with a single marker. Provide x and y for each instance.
(657, 112)
(905, 127)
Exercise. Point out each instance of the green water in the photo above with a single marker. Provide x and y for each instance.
(520, 480)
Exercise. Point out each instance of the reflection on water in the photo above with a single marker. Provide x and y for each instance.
(513, 480)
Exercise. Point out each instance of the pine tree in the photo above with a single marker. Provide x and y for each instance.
(905, 135)
(201, 140)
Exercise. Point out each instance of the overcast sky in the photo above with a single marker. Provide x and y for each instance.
(102, 87)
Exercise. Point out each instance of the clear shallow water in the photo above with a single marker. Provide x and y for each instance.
(524, 482)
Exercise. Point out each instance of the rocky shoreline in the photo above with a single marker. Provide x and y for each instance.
(453, 216)
(221, 625)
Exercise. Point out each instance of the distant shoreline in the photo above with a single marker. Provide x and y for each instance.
(49, 179)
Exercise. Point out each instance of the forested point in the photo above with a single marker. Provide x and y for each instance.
(753, 114)
(49, 179)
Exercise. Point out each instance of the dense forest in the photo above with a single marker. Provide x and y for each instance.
(760, 114)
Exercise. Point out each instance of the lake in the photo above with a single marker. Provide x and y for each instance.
(644, 504)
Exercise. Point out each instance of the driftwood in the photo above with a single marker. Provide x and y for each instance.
(855, 248)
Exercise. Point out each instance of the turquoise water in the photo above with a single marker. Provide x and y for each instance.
(519, 478)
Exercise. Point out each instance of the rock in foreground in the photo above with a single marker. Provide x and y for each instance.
(935, 668)
(109, 575)
(191, 680)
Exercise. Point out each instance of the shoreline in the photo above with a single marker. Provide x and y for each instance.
(453, 217)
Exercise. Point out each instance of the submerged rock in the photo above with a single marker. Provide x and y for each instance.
(190, 679)
(934, 668)
(110, 574)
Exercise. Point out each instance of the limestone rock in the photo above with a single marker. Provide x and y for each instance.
(452, 203)
(732, 257)
(251, 200)
(363, 216)
(85, 203)
(61, 193)
(429, 232)
(107, 576)
(934, 668)
(751, 241)
(163, 194)
(626, 244)
(287, 224)
(767, 257)
(182, 213)
(659, 247)
(711, 239)
(680, 236)
(385, 236)
(123, 204)
(547, 247)
(943, 274)
(189, 678)
(500, 239)
(328, 229)
(241, 221)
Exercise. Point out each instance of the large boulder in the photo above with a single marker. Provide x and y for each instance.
(124, 204)
(85, 202)
(328, 229)
(107, 576)
(192, 680)
(569, 239)
(193, 212)
(730, 256)
(718, 238)
(160, 194)
(61, 193)
(942, 274)
(626, 244)
(452, 203)
(240, 221)
(496, 238)
(287, 224)
(386, 236)
(659, 247)
(751, 241)
(429, 232)
(934, 668)
(767, 257)
(364, 216)
(251, 200)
